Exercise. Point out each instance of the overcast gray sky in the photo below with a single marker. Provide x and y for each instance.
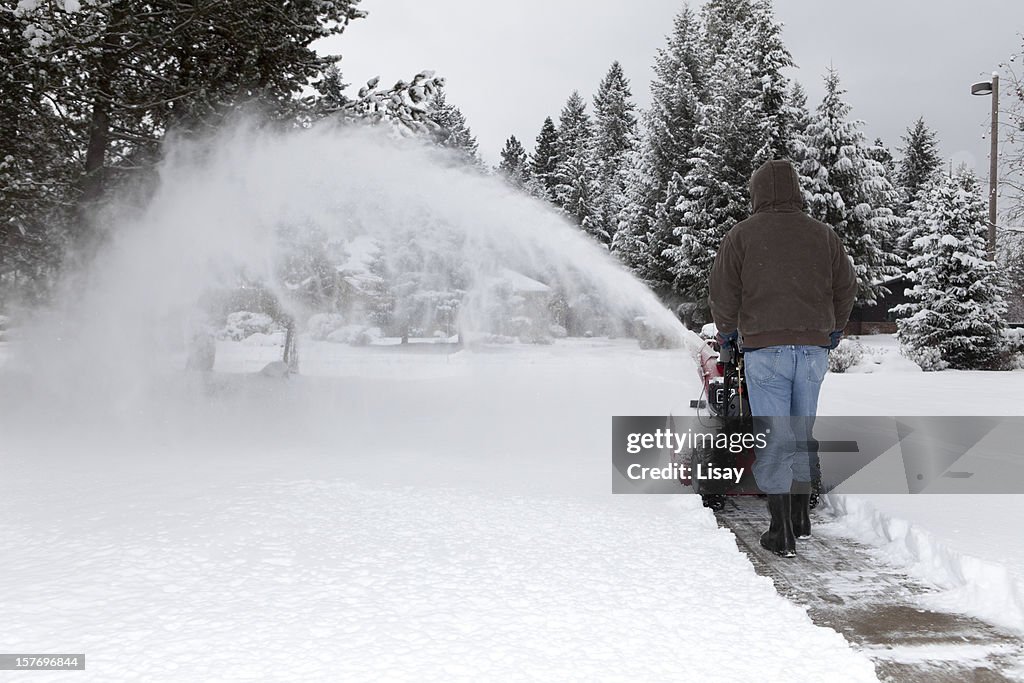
(510, 64)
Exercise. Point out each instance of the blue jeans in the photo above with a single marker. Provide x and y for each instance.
(783, 383)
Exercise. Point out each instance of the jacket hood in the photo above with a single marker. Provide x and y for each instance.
(775, 186)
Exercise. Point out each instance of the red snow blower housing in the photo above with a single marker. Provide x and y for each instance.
(723, 408)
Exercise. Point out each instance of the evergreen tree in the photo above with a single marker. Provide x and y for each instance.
(576, 189)
(122, 73)
(544, 162)
(880, 153)
(615, 137)
(670, 125)
(920, 162)
(453, 132)
(799, 116)
(770, 57)
(37, 171)
(847, 189)
(730, 143)
(955, 317)
(747, 32)
(515, 165)
(891, 244)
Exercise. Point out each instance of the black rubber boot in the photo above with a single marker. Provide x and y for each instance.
(801, 508)
(779, 538)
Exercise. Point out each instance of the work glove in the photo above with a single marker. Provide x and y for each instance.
(834, 339)
(727, 339)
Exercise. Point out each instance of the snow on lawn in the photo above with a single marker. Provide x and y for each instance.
(390, 514)
(969, 545)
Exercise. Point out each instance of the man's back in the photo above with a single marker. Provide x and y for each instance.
(781, 277)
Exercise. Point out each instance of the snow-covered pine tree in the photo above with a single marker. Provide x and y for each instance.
(630, 241)
(615, 138)
(955, 318)
(670, 123)
(576, 173)
(799, 116)
(844, 187)
(748, 30)
(126, 73)
(920, 162)
(731, 141)
(38, 172)
(454, 133)
(514, 165)
(544, 161)
(880, 153)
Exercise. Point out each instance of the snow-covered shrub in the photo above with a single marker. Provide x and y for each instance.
(528, 330)
(927, 358)
(367, 336)
(557, 331)
(356, 335)
(321, 325)
(344, 334)
(850, 352)
(1013, 348)
(241, 324)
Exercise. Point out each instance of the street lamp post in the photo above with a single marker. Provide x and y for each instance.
(991, 88)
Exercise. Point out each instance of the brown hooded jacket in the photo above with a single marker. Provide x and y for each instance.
(780, 276)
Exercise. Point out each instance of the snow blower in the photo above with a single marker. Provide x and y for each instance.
(723, 408)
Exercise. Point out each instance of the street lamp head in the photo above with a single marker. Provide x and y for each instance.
(982, 88)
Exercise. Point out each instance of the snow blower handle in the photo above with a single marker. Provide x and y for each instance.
(726, 346)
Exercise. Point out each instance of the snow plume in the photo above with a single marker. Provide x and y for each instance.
(279, 209)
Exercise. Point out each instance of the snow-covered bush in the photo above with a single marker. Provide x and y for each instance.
(344, 334)
(321, 325)
(528, 331)
(356, 335)
(927, 358)
(367, 336)
(557, 331)
(1013, 348)
(850, 352)
(241, 324)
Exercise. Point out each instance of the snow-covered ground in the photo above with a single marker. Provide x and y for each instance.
(402, 515)
(416, 514)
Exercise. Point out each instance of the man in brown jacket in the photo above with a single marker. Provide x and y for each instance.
(782, 288)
